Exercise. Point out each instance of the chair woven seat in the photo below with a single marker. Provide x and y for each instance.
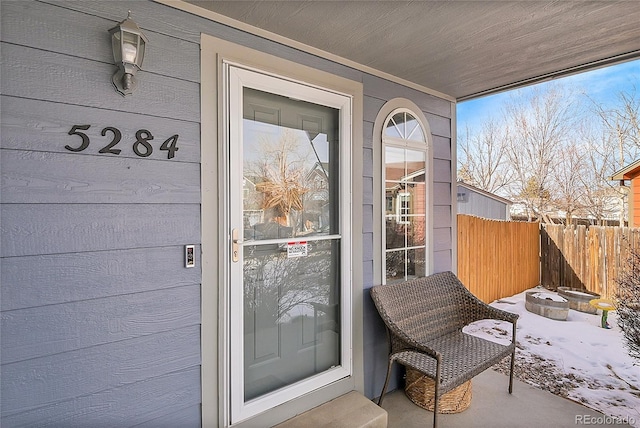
(463, 357)
(424, 318)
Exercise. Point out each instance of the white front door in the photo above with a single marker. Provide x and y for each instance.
(289, 194)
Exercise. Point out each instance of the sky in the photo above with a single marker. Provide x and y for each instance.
(591, 362)
(602, 85)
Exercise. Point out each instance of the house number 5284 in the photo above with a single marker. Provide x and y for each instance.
(141, 146)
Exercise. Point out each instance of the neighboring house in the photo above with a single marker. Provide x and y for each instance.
(475, 201)
(315, 217)
(105, 322)
(631, 173)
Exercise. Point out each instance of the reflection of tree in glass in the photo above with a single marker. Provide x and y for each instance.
(275, 284)
(281, 171)
(395, 265)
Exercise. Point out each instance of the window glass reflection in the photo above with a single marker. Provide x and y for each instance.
(405, 198)
(415, 162)
(393, 129)
(289, 185)
(405, 126)
(395, 168)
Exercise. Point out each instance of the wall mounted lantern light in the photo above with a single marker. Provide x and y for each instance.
(128, 44)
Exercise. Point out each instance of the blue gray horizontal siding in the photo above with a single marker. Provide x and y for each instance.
(100, 320)
(480, 205)
(437, 111)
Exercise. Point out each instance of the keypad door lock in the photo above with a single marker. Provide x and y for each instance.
(189, 256)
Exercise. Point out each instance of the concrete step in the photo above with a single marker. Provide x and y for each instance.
(352, 410)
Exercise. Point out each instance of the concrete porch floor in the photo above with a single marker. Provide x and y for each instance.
(492, 406)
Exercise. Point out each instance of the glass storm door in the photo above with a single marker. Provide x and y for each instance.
(288, 297)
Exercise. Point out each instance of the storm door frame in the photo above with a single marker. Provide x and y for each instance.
(215, 233)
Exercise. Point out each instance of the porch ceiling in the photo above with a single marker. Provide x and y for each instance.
(464, 49)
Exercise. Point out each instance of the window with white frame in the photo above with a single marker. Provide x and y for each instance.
(405, 161)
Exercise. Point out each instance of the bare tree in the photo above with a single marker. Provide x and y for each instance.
(567, 189)
(599, 193)
(483, 156)
(539, 126)
(550, 152)
(622, 122)
(621, 131)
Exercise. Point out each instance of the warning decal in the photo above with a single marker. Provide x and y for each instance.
(297, 249)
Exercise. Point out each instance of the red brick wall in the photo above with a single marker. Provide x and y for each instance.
(634, 205)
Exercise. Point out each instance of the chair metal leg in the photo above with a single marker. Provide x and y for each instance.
(436, 399)
(386, 382)
(436, 391)
(513, 357)
(513, 361)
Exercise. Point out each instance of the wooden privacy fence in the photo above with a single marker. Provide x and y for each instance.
(497, 258)
(590, 258)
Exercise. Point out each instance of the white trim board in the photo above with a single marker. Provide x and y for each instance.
(214, 378)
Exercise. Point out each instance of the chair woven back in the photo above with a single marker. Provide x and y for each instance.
(425, 308)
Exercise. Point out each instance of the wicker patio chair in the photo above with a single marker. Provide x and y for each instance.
(424, 318)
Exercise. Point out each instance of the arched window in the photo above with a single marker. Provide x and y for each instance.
(405, 161)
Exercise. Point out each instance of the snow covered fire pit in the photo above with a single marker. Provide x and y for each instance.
(548, 305)
(579, 299)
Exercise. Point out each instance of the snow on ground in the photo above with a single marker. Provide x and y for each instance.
(576, 358)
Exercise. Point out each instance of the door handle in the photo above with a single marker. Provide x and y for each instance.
(235, 245)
